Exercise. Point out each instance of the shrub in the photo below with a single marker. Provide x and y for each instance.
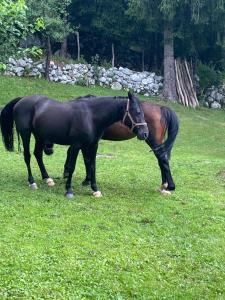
(208, 76)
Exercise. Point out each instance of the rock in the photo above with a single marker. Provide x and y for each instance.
(12, 61)
(219, 97)
(147, 81)
(19, 71)
(21, 62)
(116, 86)
(206, 104)
(103, 79)
(136, 77)
(215, 105)
(40, 67)
(209, 99)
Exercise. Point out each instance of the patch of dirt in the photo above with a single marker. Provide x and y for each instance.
(221, 174)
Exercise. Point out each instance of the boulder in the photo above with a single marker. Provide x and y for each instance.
(215, 105)
(116, 86)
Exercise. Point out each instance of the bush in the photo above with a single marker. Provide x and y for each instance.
(208, 76)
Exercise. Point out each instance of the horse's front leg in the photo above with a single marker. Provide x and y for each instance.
(87, 180)
(38, 153)
(66, 171)
(71, 163)
(90, 155)
(87, 162)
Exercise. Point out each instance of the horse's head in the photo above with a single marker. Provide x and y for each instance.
(134, 117)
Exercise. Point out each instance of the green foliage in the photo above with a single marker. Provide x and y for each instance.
(52, 16)
(208, 76)
(13, 26)
(133, 243)
(82, 60)
(33, 52)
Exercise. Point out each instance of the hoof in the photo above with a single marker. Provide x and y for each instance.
(97, 194)
(50, 182)
(33, 186)
(164, 186)
(164, 192)
(69, 195)
(86, 182)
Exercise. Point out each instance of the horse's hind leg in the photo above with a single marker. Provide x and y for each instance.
(25, 136)
(38, 152)
(163, 161)
(167, 179)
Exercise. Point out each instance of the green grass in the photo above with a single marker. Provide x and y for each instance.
(132, 243)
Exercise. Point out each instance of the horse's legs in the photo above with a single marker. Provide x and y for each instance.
(163, 161)
(66, 172)
(38, 152)
(167, 179)
(90, 158)
(71, 163)
(25, 136)
(86, 158)
(87, 163)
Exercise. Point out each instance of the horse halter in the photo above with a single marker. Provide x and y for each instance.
(127, 114)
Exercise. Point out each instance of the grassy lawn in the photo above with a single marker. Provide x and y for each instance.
(132, 243)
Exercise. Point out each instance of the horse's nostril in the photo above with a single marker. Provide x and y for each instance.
(145, 135)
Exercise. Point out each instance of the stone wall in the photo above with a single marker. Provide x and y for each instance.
(215, 97)
(145, 83)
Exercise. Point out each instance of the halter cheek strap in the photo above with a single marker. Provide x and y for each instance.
(127, 114)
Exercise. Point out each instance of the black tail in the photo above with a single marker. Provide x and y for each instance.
(172, 123)
(7, 122)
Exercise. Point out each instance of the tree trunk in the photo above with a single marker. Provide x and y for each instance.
(143, 59)
(63, 50)
(78, 45)
(113, 55)
(169, 90)
(48, 57)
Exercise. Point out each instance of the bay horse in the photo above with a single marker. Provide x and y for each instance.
(161, 120)
(79, 124)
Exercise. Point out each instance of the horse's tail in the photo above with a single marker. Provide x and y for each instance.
(172, 124)
(7, 123)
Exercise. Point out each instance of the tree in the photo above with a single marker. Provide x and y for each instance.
(171, 18)
(56, 26)
(13, 26)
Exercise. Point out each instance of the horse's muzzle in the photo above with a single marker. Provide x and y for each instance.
(142, 134)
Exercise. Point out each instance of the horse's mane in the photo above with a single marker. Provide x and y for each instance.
(89, 96)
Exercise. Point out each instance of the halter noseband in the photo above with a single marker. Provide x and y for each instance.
(127, 114)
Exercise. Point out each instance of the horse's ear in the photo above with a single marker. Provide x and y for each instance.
(130, 96)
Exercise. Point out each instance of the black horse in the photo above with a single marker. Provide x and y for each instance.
(79, 124)
(160, 120)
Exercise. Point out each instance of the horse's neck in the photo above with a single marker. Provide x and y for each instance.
(113, 112)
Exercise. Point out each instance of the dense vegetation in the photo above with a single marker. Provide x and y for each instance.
(140, 34)
(131, 244)
(135, 28)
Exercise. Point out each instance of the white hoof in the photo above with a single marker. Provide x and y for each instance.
(164, 192)
(97, 194)
(50, 182)
(33, 186)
